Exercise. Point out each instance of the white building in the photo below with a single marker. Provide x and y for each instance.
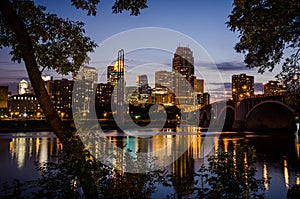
(23, 87)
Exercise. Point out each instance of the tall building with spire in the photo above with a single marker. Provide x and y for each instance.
(183, 67)
(116, 78)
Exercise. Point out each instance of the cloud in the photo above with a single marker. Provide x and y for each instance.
(258, 87)
(231, 66)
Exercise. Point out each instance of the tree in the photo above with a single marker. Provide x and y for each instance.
(44, 40)
(269, 30)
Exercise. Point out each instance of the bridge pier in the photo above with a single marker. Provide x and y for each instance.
(241, 109)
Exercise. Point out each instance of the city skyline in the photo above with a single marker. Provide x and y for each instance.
(203, 21)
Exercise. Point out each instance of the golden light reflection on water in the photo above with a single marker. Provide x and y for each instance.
(41, 149)
(286, 173)
(44, 148)
(297, 179)
(17, 149)
(265, 174)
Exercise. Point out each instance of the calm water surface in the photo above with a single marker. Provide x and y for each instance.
(278, 155)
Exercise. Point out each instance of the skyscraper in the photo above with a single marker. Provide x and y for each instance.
(115, 72)
(183, 67)
(183, 63)
(60, 92)
(199, 86)
(242, 87)
(144, 89)
(164, 79)
(116, 78)
(141, 81)
(85, 90)
(88, 73)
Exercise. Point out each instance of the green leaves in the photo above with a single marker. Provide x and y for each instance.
(134, 6)
(267, 28)
(89, 5)
(58, 43)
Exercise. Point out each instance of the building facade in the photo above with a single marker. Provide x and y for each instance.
(199, 86)
(60, 92)
(164, 79)
(3, 101)
(274, 88)
(103, 93)
(162, 96)
(183, 69)
(242, 87)
(88, 73)
(23, 87)
(24, 106)
(116, 78)
(203, 99)
(144, 90)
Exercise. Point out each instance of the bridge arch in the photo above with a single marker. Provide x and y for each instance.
(205, 118)
(224, 110)
(270, 114)
(227, 112)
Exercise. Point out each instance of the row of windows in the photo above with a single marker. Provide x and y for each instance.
(24, 98)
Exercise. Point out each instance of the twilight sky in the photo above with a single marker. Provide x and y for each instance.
(201, 20)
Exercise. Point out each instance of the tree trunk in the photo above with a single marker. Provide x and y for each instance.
(73, 146)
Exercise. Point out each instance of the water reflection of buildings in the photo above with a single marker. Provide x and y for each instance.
(184, 165)
(41, 149)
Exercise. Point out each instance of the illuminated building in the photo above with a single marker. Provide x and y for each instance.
(84, 91)
(115, 72)
(3, 100)
(199, 92)
(144, 89)
(103, 93)
(24, 106)
(183, 64)
(116, 78)
(242, 87)
(164, 79)
(23, 87)
(274, 88)
(131, 94)
(163, 96)
(199, 86)
(88, 73)
(60, 92)
(103, 99)
(203, 99)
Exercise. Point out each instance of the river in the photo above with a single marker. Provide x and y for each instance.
(278, 155)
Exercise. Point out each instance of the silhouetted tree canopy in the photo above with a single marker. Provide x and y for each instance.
(269, 31)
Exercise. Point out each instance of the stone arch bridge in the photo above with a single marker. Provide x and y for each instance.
(279, 112)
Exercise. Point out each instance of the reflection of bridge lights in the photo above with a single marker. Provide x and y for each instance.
(266, 184)
(286, 174)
